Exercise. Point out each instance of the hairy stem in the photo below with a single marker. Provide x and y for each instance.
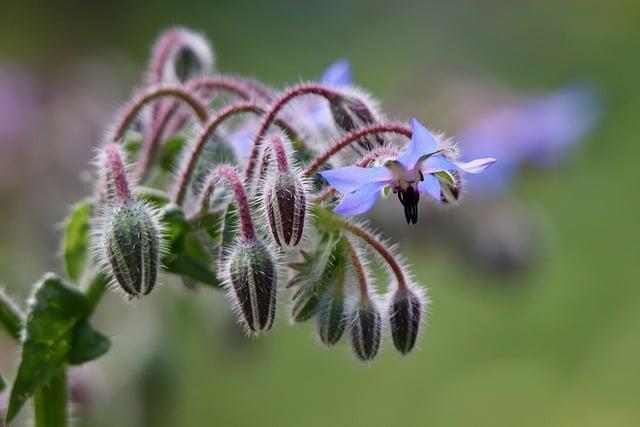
(271, 114)
(188, 166)
(359, 268)
(354, 136)
(229, 174)
(155, 92)
(209, 129)
(50, 402)
(379, 247)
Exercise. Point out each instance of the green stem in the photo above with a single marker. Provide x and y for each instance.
(11, 317)
(95, 290)
(50, 402)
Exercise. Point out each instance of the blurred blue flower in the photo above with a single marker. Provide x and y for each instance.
(538, 131)
(419, 169)
(337, 74)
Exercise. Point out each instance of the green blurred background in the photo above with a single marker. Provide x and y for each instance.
(557, 345)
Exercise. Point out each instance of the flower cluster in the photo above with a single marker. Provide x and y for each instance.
(229, 183)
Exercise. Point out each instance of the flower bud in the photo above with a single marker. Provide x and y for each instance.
(405, 314)
(252, 284)
(352, 112)
(332, 317)
(366, 330)
(285, 202)
(180, 55)
(132, 239)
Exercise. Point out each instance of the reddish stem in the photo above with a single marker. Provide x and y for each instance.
(379, 247)
(354, 136)
(359, 268)
(231, 176)
(270, 116)
(117, 172)
(152, 93)
(210, 127)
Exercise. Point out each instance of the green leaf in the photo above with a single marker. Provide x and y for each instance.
(86, 344)
(157, 198)
(187, 255)
(171, 149)
(76, 239)
(54, 310)
(3, 384)
(315, 273)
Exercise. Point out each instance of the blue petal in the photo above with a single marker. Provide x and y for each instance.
(437, 163)
(361, 200)
(430, 186)
(440, 163)
(338, 74)
(422, 142)
(350, 178)
(477, 165)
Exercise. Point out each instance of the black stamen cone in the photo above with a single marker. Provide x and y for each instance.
(409, 199)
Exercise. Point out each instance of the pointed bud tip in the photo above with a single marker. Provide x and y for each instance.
(252, 285)
(285, 202)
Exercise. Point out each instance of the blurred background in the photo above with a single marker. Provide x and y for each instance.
(534, 281)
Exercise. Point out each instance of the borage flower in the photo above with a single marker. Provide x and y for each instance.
(424, 167)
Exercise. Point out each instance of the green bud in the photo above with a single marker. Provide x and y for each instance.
(252, 284)
(132, 243)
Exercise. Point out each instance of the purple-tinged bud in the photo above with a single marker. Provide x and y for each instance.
(285, 202)
(332, 316)
(132, 243)
(405, 313)
(179, 55)
(366, 330)
(450, 186)
(354, 111)
(252, 278)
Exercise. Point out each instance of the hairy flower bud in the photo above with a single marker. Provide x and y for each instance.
(132, 242)
(366, 330)
(405, 314)
(285, 202)
(352, 112)
(252, 284)
(180, 55)
(332, 317)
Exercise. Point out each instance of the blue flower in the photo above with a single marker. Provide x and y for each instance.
(538, 132)
(420, 169)
(337, 74)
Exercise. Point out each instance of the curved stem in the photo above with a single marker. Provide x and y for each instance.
(187, 169)
(359, 268)
(155, 92)
(231, 176)
(379, 247)
(225, 83)
(270, 116)
(354, 136)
